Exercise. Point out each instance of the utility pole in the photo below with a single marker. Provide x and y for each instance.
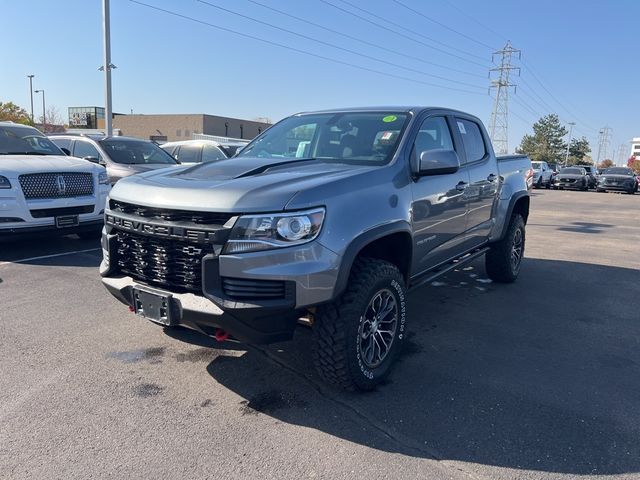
(566, 157)
(31, 92)
(603, 143)
(499, 125)
(44, 112)
(106, 67)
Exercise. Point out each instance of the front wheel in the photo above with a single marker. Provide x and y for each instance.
(357, 337)
(503, 260)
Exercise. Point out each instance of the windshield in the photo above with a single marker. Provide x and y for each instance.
(536, 165)
(352, 137)
(618, 171)
(573, 171)
(231, 150)
(135, 152)
(23, 140)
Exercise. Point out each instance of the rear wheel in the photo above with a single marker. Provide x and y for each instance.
(503, 260)
(357, 338)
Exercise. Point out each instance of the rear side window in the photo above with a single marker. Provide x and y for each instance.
(472, 139)
(211, 153)
(188, 153)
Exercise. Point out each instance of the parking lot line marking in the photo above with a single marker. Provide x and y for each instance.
(22, 260)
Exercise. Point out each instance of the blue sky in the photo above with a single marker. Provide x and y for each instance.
(579, 60)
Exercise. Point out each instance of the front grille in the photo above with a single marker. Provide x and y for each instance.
(168, 263)
(259, 289)
(55, 212)
(568, 180)
(171, 215)
(56, 185)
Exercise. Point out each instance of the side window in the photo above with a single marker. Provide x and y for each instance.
(188, 153)
(211, 153)
(85, 149)
(62, 142)
(434, 133)
(472, 139)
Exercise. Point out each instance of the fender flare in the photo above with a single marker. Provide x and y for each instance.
(512, 203)
(360, 242)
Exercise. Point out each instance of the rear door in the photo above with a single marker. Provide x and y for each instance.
(438, 210)
(483, 179)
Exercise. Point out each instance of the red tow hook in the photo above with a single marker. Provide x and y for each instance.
(131, 309)
(221, 335)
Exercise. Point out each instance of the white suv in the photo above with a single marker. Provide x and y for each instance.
(41, 189)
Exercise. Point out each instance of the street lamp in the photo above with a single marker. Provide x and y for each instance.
(566, 157)
(44, 112)
(31, 92)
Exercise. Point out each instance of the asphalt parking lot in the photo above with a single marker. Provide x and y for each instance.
(539, 379)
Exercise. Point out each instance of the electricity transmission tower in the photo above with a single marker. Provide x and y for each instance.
(499, 125)
(603, 144)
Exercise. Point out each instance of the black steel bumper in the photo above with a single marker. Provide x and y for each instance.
(249, 323)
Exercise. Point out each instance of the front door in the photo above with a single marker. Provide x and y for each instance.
(439, 203)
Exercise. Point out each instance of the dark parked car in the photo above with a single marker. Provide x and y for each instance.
(592, 172)
(122, 156)
(573, 178)
(621, 179)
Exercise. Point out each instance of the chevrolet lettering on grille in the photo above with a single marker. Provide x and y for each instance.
(166, 231)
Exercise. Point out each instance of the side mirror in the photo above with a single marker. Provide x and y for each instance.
(438, 162)
(66, 151)
(94, 160)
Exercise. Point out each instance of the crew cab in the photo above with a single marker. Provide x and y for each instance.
(43, 190)
(326, 219)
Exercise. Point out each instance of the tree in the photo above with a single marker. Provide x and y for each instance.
(578, 151)
(546, 144)
(634, 164)
(54, 123)
(13, 113)
(606, 164)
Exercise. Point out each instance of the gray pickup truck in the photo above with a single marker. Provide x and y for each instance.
(326, 219)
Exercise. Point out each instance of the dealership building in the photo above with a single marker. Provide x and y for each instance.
(166, 127)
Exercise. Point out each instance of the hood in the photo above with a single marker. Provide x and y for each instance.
(235, 185)
(14, 165)
(134, 168)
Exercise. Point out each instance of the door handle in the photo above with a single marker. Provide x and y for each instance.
(461, 186)
(492, 177)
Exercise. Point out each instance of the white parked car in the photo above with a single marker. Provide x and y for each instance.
(41, 189)
(190, 152)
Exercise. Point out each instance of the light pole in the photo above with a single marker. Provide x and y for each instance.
(31, 92)
(44, 112)
(107, 66)
(566, 157)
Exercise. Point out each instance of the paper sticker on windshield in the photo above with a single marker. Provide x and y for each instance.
(461, 128)
(389, 119)
(386, 136)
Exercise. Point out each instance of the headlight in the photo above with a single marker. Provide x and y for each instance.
(103, 178)
(4, 182)
(252, 233)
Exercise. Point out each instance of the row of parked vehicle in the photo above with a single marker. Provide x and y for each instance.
(585, 177)
(61, 182)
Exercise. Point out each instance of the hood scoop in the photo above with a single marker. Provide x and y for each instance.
(233, 168)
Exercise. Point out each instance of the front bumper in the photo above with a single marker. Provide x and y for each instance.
(617, 188)
(309, 273)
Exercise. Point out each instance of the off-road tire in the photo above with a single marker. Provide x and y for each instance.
(337, 327)
(498, 260)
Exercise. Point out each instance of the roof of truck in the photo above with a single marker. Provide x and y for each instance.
(387, 108)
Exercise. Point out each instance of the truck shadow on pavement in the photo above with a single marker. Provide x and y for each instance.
(65, 251)
(539, 375)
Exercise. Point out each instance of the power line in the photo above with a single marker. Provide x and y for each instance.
(365, 42)
(298, 50)
(401, 34)
(474, 19)
(443, 25)
(337, 47)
